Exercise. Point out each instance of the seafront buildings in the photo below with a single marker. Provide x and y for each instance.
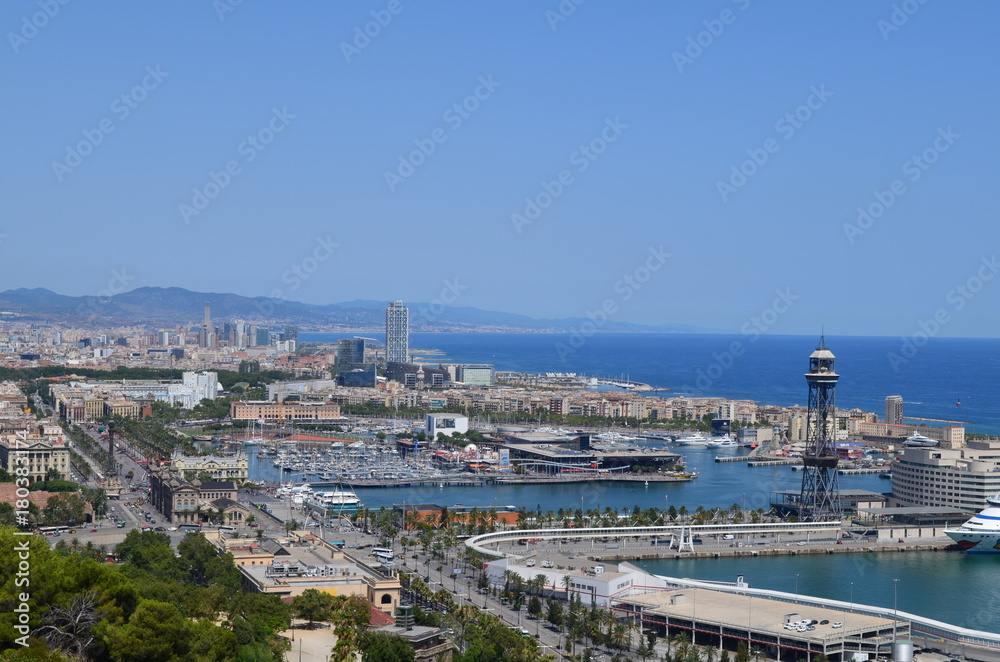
(950, 475)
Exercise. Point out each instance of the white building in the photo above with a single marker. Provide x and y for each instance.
(958, 478)
(447, 424)
(196, 387)
(594, 583)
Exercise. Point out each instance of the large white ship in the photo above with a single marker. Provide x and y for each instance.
(697, 440)
(981, 534)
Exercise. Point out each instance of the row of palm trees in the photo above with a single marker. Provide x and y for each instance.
(609, 517)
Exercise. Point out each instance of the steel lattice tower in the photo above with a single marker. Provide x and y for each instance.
(820, 498)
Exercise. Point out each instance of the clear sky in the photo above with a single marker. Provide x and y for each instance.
(626, 123)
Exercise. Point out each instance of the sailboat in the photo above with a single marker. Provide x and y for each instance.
(256, 435)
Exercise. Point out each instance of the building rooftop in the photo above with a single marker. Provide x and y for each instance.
(761, 615)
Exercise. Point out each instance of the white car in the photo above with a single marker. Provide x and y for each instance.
(837, 624)
(801, 543)
(172, 528)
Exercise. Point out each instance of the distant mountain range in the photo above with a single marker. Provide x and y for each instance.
(175, 305)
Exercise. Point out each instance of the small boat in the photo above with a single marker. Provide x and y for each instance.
(886, 474)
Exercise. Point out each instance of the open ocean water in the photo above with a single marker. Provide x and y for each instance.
(769, 369)
(951, 587)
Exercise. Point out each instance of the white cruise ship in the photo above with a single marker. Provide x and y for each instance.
(981, 534)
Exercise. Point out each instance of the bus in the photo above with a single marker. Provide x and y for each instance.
(338, 544)
(189, 528)
(49, 530)
(383, 555)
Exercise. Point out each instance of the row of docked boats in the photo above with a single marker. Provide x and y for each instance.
(698, 440)
(341, 500)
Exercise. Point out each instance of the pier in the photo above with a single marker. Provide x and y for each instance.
(861, 470)
(776, 462)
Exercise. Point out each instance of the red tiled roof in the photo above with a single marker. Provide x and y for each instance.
(379, 618)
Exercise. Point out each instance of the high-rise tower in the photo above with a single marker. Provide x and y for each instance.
(894, 409)
(206, 336)
(397, 333)
(820, 498)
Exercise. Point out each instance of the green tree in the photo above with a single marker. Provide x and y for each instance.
(555, 613)
(313, 605)
(157, 632)
(535, 607)
(351, 615)
(66, 508)
(382, 647)
(742, 652)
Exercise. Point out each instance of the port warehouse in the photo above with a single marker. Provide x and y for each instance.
(725, 619)
(714, 613)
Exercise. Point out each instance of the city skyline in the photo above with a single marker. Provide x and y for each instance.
(775, 168)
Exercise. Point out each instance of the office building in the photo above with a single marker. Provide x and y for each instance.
(397, 333)
(475, 375)
(206, 336)
(351, 353)
(894, 410)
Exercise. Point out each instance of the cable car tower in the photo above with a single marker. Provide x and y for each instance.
(820, 498)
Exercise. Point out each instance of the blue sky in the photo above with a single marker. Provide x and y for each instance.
(656, 227)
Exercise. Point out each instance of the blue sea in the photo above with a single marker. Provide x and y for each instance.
(952, 379)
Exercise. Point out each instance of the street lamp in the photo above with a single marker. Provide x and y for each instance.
(895, 583)
(852, 597)
(796, 587)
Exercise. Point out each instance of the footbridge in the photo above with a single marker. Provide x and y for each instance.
(684, 533)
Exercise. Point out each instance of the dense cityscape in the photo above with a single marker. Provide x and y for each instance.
(242, 444)
(519, 331)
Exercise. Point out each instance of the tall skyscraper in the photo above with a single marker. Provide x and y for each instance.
(397, 333)
(206, 336)
(894, 409)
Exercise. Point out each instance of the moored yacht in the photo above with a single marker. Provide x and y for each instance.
(723, 442)
(981, 534)
(919, 440)
(696, 439)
